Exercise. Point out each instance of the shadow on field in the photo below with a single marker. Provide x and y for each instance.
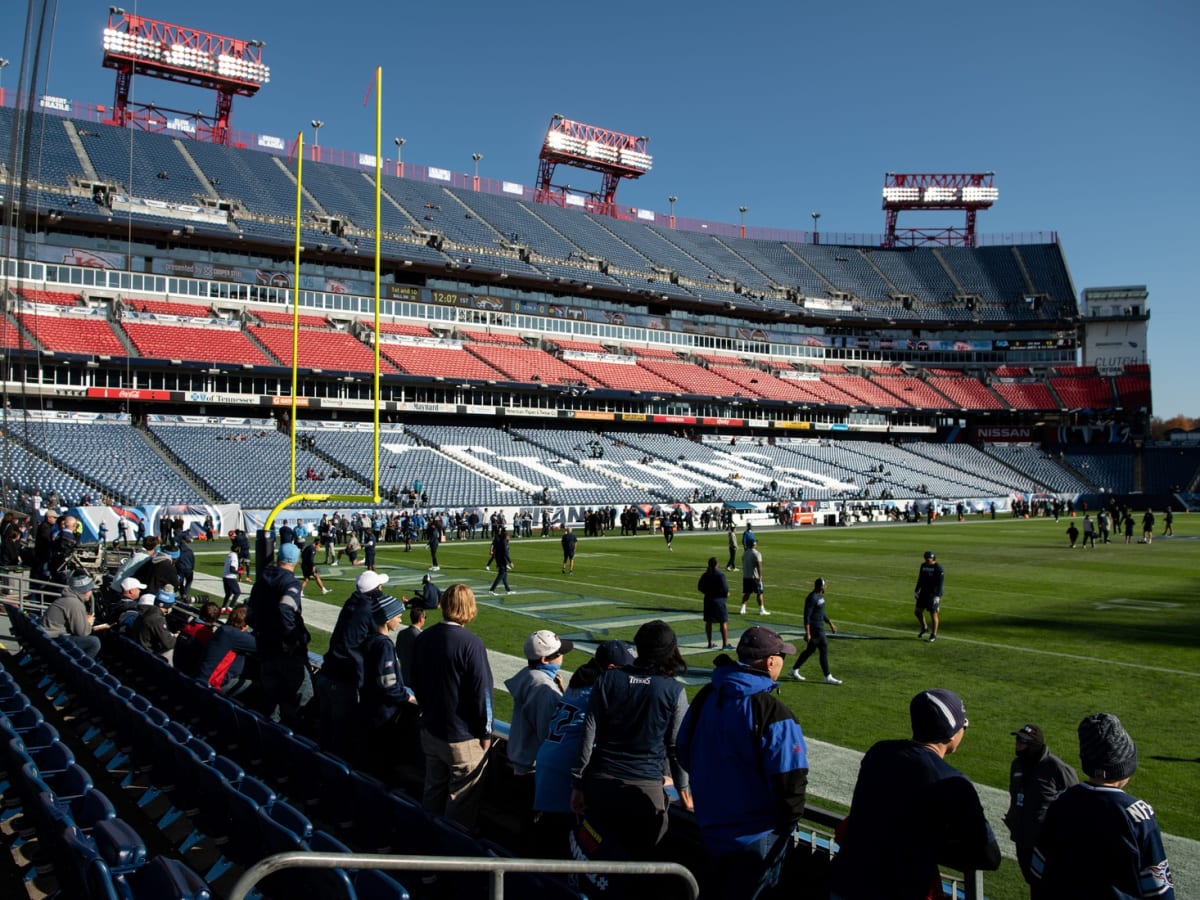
(1182, 759)
(1126, 630)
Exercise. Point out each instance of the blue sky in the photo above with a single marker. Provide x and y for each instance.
(1086, 111)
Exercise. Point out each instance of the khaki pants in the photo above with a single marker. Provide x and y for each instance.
(453, 778)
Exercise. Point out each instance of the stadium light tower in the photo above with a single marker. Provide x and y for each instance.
(816, 217)
(135, 45)
(672, 200)
(612, 154)
(967, 192)
(399, 142)
(476, 157)
(742, 210)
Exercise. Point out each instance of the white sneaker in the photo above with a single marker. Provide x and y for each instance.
(762, 611)
(326, 590)
(796, 675)
(742, 611)
(829, 679)
(435, 568)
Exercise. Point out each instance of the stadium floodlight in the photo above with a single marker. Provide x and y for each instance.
(969, 192)
(613, 154)
(317, 125)
(136, 45)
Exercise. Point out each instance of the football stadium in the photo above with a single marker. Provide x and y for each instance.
(228, 355)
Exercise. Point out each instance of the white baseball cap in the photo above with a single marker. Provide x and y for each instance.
(128, 584)
(545, 643)
(369, 581)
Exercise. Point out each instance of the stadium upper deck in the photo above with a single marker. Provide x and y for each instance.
(927, 330)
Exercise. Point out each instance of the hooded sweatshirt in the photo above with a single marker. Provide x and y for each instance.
(535, 692)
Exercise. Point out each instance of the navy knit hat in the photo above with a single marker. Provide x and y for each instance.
(1106, 751)
(936, 716)
(385, 608)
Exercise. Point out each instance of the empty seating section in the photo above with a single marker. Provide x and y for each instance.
(528, 364)
(848, 270)
(1025, 395)
(654, 353)
(584, 231)
(725, 476)
(453, 362)
(32, 472)
(11, 337)
(1034, 464)
(579, 346)
(63, 334)
(623, 376)
(1169, 469)
(255, 181)
(57, 161)
(1048, 274)
(343, 193)
(1070, 371)
(966, 393)
(218, 345)
(143, 163)
(278, 317)
(864, 391)
(972, 465)
(721, 257)
(757, 382)
(913, 391)
(114, 456)
(524, 465)
(398, 328)
(1106, 469)
(1133, 391)
(249, 464)
(170, 308)
(329, 351)
(1011, 372)
(1084, 392)
(488, 337)
(55, 298)
(519, 224)
(691, 378)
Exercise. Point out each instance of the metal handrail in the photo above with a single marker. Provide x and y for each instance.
(497, 868)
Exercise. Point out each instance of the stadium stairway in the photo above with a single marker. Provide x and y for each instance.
(157, 445)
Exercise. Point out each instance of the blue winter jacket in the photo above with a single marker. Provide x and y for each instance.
(746, 756)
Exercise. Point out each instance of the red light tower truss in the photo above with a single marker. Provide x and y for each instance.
(612, 154)
(135, 45)
(969, 193)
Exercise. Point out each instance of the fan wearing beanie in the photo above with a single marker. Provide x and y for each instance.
(1097, 840)
(383, 696)
(912, 811)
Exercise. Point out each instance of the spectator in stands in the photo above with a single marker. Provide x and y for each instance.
(229, 576)
(752, 578)
(714, 588)
(308, 567)
(194, 637)
(1097, 840)
(407, 638)
(151, 630)
(931, 578)
(535, 691)
(71, 614)
(341, 676)
(185, 565)
(502, 557)
(157, 569)
(629, 740)
(383, 697)
(276, 615)
(815, 620)
(911, 811)
(453, 683)
(223, 666)
(1035, 778)
(569, 542)
(745, 753)
(62, 549)
(556, 756)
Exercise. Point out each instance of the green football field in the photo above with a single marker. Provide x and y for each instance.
(1031, 631)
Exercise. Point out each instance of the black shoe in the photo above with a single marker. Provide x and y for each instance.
(921, 633)
(932, 638)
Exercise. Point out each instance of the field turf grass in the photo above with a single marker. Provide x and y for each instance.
(1031, 631)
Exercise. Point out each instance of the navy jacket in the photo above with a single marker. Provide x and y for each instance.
(275, 612)
(344, 658)
(453, 683)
